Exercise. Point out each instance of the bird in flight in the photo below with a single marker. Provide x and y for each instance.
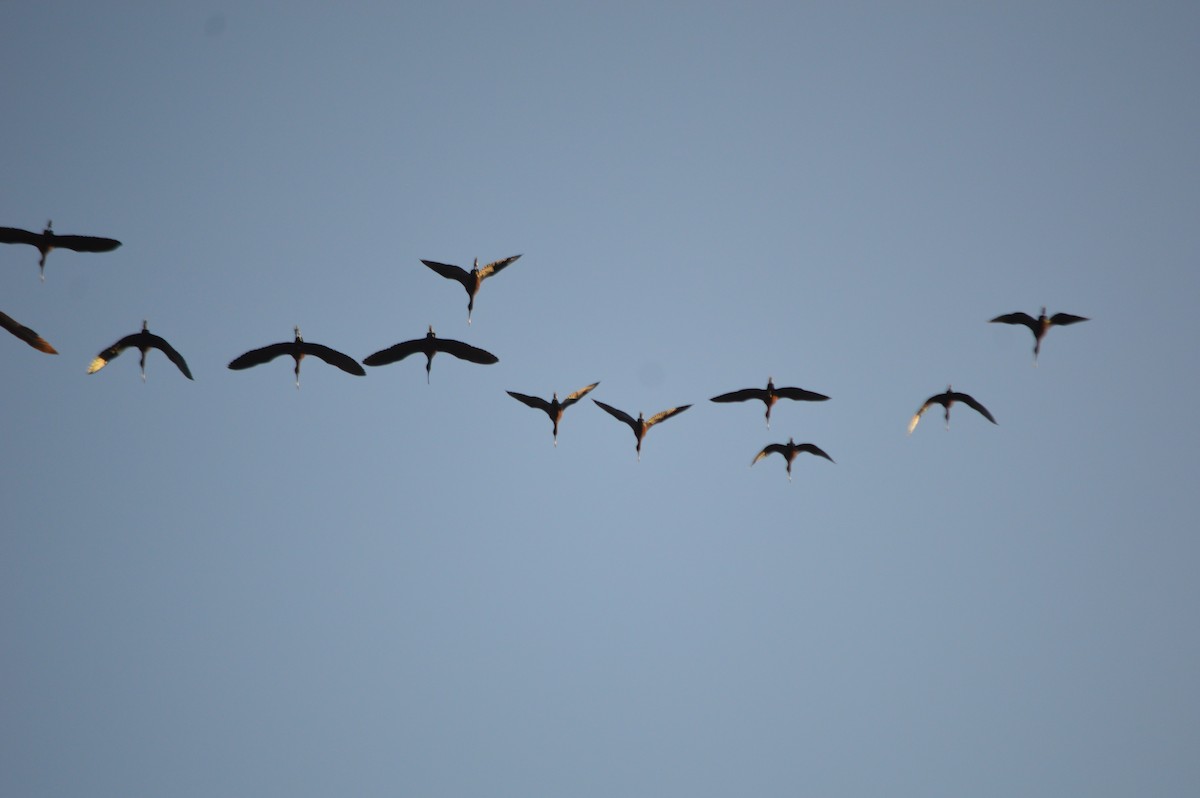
(553, 408)
(48, 240)
(640, 425)
(429, 346)
(298, 349)
(770, 395)
(144, 341)
(789, 451)
(946, 400)
(471, 280)
(1039, 326)
(25, 334)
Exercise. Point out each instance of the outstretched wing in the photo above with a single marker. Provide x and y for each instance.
(256, 357)
(101, 360)
(912, 425)
(1018, 318)
(465, 351)
(451, 272)
(812, 448)
(770, 448)
(24, 333)
(743, 395)
(495, 266)
(334, 358)
(800, 394)
(657, 417)
(535, 402)
(394, 353)
(15, 235)
(160, 343)
(969, 401)
(620, 415)
(575, 397)
(85, 243)
(1063, 319)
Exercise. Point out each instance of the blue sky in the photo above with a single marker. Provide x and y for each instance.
(374, 586)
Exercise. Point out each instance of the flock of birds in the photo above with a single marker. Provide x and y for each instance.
(430, 345)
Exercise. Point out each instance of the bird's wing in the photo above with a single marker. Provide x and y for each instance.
(101, 360)
(620, 415)
(1063, 319)
(770, 448)
(969, 401)
(160, 343)
(451, 272)
(395, 352)
(1018, 318)
(657, 417)
(256, 357)
(912, 424)
(743, 395)
(535, 402)
(575, 397)
(25, 334)
(812, 448)
(334, 358)
(800, 394)
(86, 243)
(495, 266)
(465, 351)
(15, 235)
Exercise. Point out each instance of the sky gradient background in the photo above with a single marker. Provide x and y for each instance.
(374, 586)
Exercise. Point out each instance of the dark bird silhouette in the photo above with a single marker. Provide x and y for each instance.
(471, 280)
(553, 408)
(48, 240)
(770, 395)
(946, 400)
(144, 341)
(640, 425)
(789, 451)
(298, 349)
(429, 346)
(25, 334)
(1039, 326)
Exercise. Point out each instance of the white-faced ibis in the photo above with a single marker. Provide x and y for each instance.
(471, 280)
(429, 346)
(1039, 326)
(946, 400)
(789, 451)
(553, 408)
(25, 334)
(298, 349)
(48, 240)
(640, 425)
(770, 395)
(144, 341)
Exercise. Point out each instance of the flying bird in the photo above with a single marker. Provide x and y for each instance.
(429, 346)
(1039, 326)
(25, 334)
(789, 451)
(48, 240)
(946, 400)
(298, 349)
(144, 341)
(640, 425)
(471, 280)
(770, 395)
(553, 408)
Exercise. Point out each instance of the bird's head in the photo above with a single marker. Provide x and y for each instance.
(476, 266)
(49, 231)
(296, 329)
(145, 325)
(430, 333)
(1043, 311)
(556, 396)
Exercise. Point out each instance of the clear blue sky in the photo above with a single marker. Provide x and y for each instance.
(374, 586)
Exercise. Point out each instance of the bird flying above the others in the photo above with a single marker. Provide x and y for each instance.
(48, 240)
(144, 341)
(946, 400)
(1039, 326)
(471, 280)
